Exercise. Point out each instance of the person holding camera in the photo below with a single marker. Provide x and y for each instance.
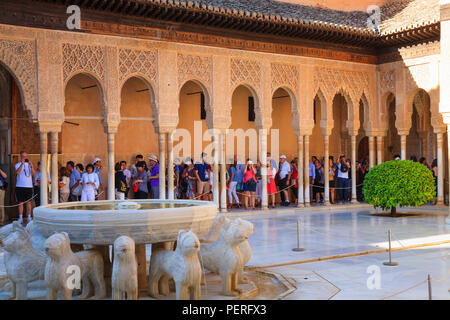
(343, 178)
(3, 187)
(24, 184)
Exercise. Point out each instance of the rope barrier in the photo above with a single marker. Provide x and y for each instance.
(400, 292)
(18, 204)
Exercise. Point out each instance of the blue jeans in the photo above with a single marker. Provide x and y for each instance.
(343, 185)
(155, 192)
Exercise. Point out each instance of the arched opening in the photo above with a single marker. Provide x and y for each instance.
(83, 136)
(17, 134)
(339, 138)
(136, 133)
(191, 128)
(282, 121)
(361, 139)
(420, 141)
(392, 145)
(316, 145)
(242, 139)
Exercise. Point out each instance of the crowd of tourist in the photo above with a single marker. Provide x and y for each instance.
(244, 181)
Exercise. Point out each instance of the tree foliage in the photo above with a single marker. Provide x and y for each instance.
(399, 183)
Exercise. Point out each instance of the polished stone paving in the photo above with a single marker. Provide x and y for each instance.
(342, 230)
(327, 234)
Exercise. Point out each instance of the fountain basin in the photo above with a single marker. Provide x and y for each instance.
(101, 222)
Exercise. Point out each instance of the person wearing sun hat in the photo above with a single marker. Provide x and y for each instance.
(154, 176)
(285, 176)
(97, 166)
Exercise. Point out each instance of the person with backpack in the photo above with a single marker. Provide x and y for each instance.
(343, 178)
(120, 182)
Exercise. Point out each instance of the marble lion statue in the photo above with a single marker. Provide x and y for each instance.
(182, 265)
(224, 256)
(214, 232)
(244, 247)
(23, 262)
(124, 273)
(37, 239)
(62, 265)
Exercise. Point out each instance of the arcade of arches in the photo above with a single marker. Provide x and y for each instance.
(95, 100)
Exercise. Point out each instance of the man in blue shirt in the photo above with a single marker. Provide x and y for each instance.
(74, 180)
(201, 173)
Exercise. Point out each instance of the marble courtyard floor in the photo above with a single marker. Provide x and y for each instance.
(330, 233)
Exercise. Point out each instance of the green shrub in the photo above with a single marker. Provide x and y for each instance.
(399, 183)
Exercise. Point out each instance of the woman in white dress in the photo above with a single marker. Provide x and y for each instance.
(90, 183)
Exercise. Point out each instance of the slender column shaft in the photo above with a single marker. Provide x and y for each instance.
(307, 199)
(223, 173)
(379, 149)
(440, 186)
(300, 202)
(326, 170)
(403, 146)
(170, 173)
(215, 141)
(371, 151)
(54, 166)
(263, 159)
(44, 180)
(162, 165)
(111, 163)
(353, 142)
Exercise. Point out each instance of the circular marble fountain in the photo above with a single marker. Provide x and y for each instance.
(146, 221)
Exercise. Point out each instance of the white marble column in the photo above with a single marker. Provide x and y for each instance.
(371, 151)
(54, 166)
(353, 164)
(215, 164)
(326, 170)
(44, 180)
(379, 149)
(300, 202)
(403, 146)
(440, 186)
(162, 165)
(307, 193)
(111, 164)
(223, 172)
(170, 185)
(263, 159)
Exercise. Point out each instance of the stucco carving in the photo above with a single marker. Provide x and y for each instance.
(79, 58)
(387, 79)
(144, 62)
(332, 80)
(247, 71)
(194, 67)
(284, 75)
(418, 76)
(19, 56)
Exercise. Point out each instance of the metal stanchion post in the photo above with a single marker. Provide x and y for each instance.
(298, 249)
(429, 288)
(390, 262)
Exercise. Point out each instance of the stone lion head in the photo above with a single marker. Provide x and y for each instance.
(57, 245)
(187, 242)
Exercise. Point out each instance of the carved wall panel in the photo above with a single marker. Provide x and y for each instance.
(19, 56)
(247, 71)
(387, 81)
(195, 67)
(284, 75)
(79, 58)
(144, 62)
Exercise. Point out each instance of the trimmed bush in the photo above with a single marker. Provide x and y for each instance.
(399, 183)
